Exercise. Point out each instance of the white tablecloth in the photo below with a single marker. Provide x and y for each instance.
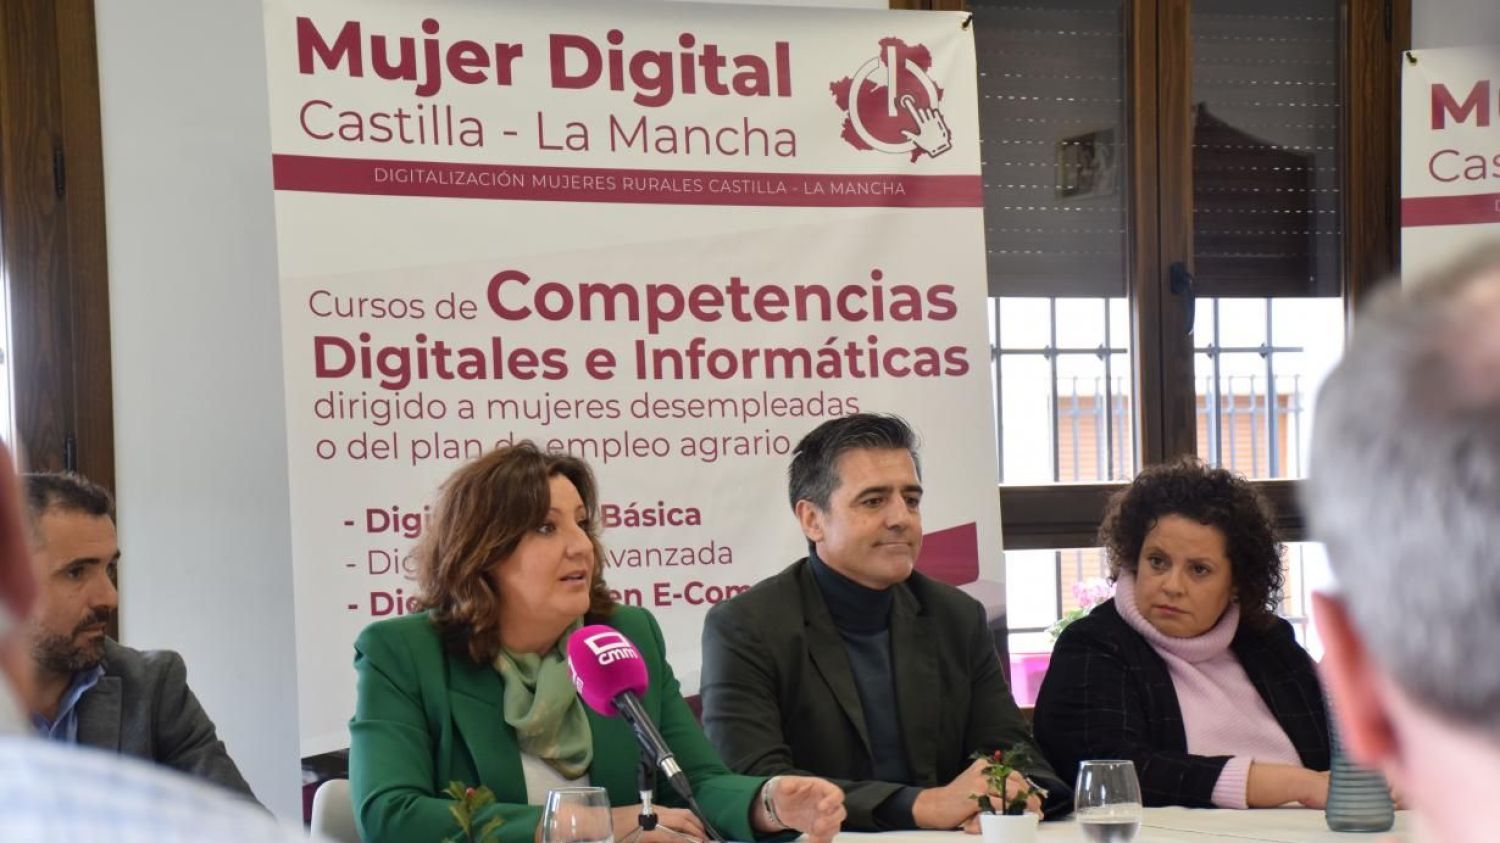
(1171, 825)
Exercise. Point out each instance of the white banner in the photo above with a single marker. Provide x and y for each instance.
(1450, 154)
(668, 238)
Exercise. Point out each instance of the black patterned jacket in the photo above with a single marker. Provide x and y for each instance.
(1107, 694)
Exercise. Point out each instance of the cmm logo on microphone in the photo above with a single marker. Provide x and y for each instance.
(611, 647)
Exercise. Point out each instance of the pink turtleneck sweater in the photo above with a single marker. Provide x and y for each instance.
(1222, 712)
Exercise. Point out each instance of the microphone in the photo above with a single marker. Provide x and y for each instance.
(610, 676)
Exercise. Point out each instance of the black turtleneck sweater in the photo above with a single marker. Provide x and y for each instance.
(863, 618)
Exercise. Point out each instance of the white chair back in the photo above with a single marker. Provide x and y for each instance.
(333, 812)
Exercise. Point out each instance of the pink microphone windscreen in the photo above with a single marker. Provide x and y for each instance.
(604, 665)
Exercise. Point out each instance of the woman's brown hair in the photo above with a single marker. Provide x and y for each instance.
(483, 511)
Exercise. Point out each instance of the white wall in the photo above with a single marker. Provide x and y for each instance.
(200, 436)
(1454, 23)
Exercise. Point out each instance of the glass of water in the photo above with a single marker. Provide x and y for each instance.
(577, 815)
(1107, 801)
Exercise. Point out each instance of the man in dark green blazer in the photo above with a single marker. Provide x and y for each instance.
(426, 717)
(851, 665)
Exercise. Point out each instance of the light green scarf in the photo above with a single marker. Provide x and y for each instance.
(543, 707)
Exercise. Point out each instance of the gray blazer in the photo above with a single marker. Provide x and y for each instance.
(143, 707)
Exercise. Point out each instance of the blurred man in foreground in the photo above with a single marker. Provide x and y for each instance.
(1404, 489)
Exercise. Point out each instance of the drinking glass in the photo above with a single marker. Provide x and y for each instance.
(1107, 801)
(577, 815)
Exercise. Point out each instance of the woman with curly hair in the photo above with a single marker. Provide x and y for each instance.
(1187, 671)
(476, 689)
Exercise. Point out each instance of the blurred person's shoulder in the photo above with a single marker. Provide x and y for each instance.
(51, 791)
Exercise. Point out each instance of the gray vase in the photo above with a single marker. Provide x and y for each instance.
(1358, 798)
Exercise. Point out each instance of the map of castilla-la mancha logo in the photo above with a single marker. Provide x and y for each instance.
(891, 104)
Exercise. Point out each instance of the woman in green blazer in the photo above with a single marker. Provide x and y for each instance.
(476, 688)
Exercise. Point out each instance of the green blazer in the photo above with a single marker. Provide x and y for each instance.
(425, 717)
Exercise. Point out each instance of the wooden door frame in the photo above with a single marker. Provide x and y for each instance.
(52, 238)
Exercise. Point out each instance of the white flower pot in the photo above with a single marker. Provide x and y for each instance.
(999, 828)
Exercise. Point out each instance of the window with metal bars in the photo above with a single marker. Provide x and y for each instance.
(1260, 360)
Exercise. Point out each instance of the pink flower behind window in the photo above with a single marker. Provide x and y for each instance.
(1092, 591)
(1088, 593)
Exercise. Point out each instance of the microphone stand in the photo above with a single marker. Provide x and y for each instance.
(645, 782)
(654, 752)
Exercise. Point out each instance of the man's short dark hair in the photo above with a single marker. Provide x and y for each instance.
(65, 492)
(812, 476)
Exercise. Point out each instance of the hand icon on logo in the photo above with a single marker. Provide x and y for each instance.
(890, 104)
(932, 135)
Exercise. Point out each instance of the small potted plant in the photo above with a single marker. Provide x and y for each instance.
(1011, 823)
